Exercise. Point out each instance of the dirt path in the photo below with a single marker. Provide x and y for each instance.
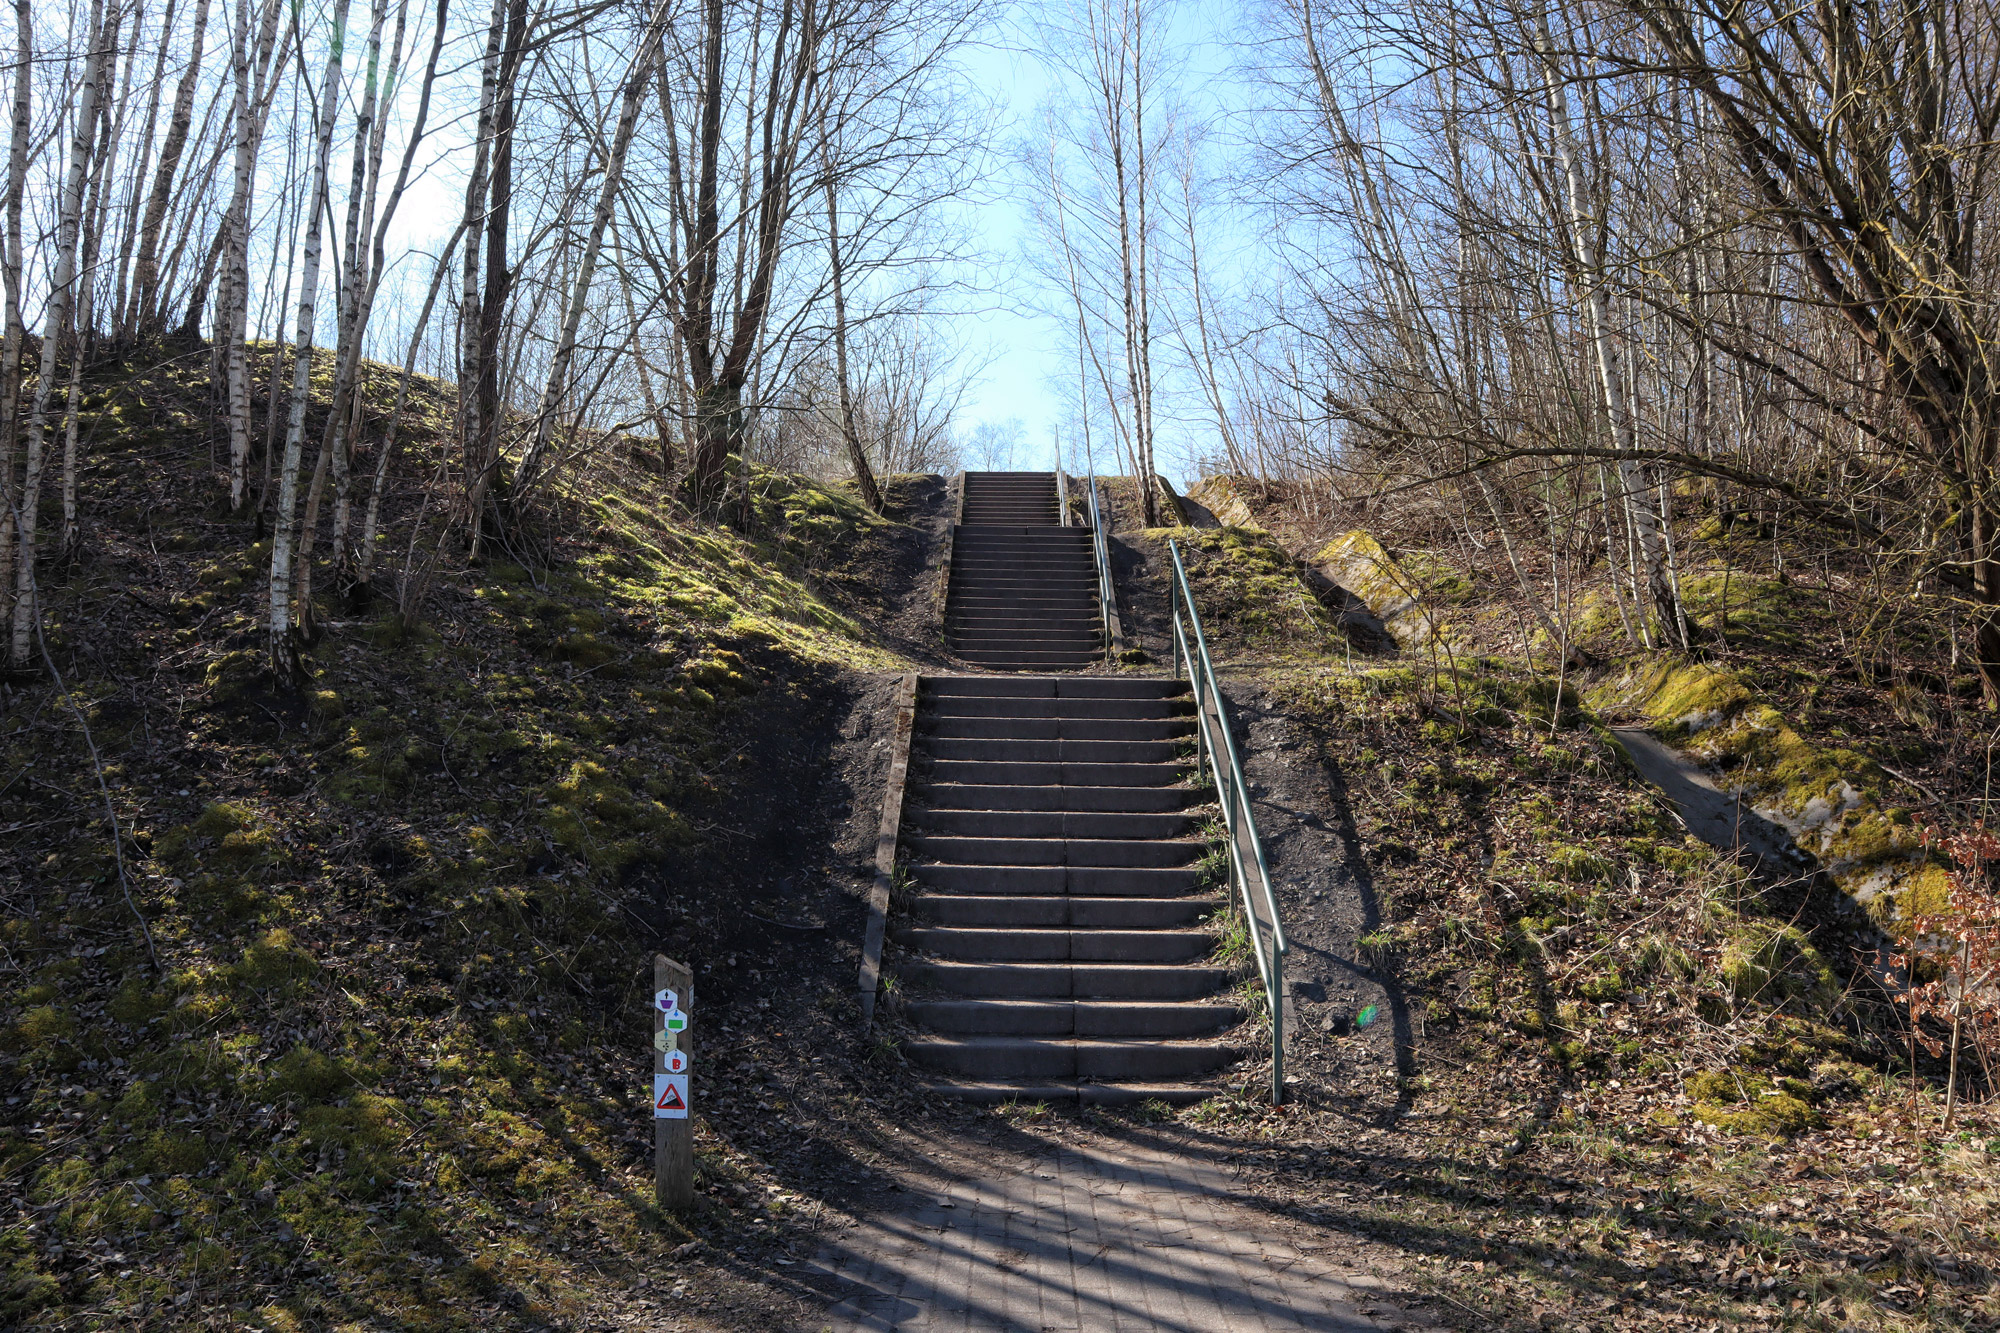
(1093, 1229)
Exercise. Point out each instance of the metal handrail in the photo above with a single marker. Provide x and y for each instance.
(1102, 550)
(1216, 749)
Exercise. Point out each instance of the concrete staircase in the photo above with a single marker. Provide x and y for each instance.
(1023, 589)
(1058, 941)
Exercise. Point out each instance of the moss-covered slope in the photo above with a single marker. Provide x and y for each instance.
(386, 1071)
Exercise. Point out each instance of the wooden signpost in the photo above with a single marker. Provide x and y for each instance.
(673, 1099)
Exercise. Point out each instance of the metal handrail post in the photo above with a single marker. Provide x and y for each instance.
(1101, 550)
(1233, 798)
(1235, 764)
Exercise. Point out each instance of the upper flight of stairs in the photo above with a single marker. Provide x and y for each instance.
(1023, 589)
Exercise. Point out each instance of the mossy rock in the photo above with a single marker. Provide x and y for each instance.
(1225, 497)
(42, 1028)
(585, 650)
(1678, 698)
(1752, 1105)
(1397, 595)
(1827, 798)
(169, 1153)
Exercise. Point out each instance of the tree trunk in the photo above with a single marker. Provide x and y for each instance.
(1632, 475)
(121, 308)
(16, 336)
(556, 386)
(344, 418)
(499, 274)
(58, 321)
(364, 554)
(471, 428)
(251, 108)
(283, 646)
(857, 458)
(146, 273)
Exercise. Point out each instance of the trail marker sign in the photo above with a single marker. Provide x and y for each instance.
(673, 1097)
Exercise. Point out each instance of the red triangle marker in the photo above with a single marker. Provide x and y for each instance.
(670, 1100)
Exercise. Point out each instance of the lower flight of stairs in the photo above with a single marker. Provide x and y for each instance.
(1058, 946)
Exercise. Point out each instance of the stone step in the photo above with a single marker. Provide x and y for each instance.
(1055, 687)
(940, 706)
(1017, 603)
(1117, 852)
(1057, 728)
(997, 624)
(1064, 1093)
(1030, 661)
(1058, 751)
(970, 796)
(1036, 1057)
(1055, 945)
(994, 641)
(1097, 824)
(1086, 881)
(1074, 1018)
(1082, 981)
(971, 570)
(996, 911)
(973, 944)
(1055, 582)
(1041, 773)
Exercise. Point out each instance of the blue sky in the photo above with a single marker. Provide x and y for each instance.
(1031, 353)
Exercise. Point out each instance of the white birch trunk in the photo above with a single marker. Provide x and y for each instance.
(56, 324)
(1603, 342)
(284, 655)
(121, 314)
(83, 314)
(347, 340)
(16, 336)
(252, 92)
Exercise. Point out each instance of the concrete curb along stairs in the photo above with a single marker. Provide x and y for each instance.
(1055, 933)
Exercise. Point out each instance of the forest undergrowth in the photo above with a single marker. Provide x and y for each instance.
(1636, 1085)
(375, 1058)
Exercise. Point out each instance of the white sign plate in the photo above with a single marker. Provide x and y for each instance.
(666, 1001)
(670, 1096)
(677, 1061)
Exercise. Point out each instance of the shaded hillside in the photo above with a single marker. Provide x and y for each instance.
(1614, 1080)
(388, 1067)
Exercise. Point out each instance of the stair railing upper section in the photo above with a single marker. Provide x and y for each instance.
(955, 498)
(1249, 875)
(1101, 550)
